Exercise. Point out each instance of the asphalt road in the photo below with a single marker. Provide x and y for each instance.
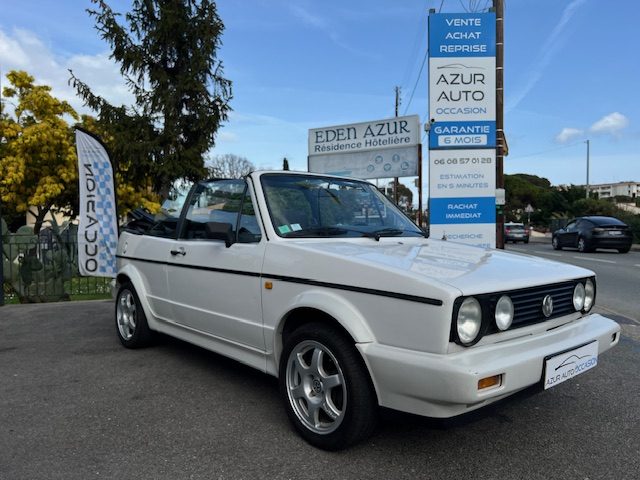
(618, 275)
(74, 404)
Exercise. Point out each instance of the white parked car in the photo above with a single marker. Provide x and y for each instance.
(324, 283)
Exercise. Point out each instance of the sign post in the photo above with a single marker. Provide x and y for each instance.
(1, 260)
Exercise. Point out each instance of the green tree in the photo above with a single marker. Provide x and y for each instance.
(229, 166)
(404, 191)
(167, 51)
(524, 189)
(38, 166)
(132, 191)
(592, 206)
(572, 193)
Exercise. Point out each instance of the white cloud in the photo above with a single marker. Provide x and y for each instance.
(327, 28)
(568, 134)
(24, 50)
(309, 18)
(11, 52)
(547, 52)
(611, 124)
(224, 136)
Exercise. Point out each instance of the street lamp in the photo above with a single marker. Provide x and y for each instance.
(587, 142)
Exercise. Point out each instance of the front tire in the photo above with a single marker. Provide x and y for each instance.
(555, 243)
(624, 250)
(326, 388)
(131, 322)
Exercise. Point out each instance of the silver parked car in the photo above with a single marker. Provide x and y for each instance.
(516, 232)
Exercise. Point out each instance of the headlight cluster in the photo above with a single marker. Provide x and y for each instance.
(504, 312)
(469, 321)
(491, 313)
(584, 296)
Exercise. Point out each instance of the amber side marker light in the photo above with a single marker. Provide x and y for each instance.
(268, 285)
(488, 382)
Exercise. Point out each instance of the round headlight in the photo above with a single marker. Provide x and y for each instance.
(504, 312)
(469, 320)
(590, 295)
(578, 297)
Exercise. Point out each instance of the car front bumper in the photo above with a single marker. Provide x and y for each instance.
(447, 385)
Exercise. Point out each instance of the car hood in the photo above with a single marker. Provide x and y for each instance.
(470, 270)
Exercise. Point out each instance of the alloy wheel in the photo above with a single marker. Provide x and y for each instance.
(126, 314)
(316, 387)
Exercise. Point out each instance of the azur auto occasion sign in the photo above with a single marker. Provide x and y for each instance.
(462, 137)
(462, 87)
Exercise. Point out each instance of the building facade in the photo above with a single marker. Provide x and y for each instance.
(608, 190)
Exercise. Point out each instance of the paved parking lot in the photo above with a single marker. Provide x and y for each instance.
(74, 404)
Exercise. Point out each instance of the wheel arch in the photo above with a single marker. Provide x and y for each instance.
(129, 274)
(323, 307)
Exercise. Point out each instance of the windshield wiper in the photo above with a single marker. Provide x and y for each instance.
(329, 232)
(387, 232)
(392, 232)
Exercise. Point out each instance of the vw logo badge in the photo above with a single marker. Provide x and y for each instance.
(547, 306)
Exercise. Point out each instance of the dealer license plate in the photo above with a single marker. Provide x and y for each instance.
(565, 366)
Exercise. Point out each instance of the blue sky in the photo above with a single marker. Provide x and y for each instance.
(571, 73)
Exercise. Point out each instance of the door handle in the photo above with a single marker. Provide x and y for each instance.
(179, 251)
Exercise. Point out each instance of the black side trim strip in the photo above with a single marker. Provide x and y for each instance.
(303, 281)
(159, 262)
(351, 288)
(193, 267)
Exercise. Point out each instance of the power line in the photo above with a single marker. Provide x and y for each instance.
(424, 60)
(415, 49)
(547, 151)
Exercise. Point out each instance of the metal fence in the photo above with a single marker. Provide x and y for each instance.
(44, 268)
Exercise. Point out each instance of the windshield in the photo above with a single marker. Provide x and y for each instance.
(309, 206)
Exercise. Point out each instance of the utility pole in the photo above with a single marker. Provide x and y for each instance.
(1, 261)
(498, 5)
(1, 239)
(587, 142)
(395, 180)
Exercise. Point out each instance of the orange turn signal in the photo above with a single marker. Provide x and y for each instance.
(268, 285)
(489, 382)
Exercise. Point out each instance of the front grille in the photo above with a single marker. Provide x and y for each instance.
(527, 303)
(527, 306)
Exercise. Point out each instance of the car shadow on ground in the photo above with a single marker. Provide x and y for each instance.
(390, 421)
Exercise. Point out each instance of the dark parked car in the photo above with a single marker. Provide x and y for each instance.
(588, 233)
(516, 232)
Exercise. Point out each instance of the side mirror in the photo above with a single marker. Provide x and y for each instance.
(220, 231)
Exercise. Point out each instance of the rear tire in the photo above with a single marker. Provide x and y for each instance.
(326, 388)
(624, 250)
(131, 322)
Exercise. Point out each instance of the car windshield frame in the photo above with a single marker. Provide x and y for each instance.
(326, 208)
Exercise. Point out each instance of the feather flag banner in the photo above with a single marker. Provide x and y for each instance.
(98, 226)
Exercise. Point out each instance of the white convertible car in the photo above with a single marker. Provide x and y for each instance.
(325, 284)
